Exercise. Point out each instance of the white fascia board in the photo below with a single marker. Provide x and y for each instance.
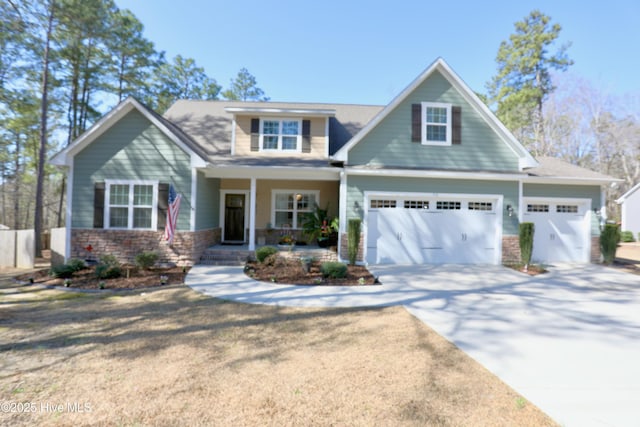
(569, 180)
(628, 193)
(263, 111)
(273, 172)
(65, 156)
(402, 173)
(525, 159)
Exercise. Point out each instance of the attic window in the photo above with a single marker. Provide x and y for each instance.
(436, 122)
(280, 135)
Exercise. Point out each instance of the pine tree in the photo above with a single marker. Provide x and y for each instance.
(244, 88)
(523, 82)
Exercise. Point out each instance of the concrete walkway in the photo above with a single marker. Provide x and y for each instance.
(568, 340)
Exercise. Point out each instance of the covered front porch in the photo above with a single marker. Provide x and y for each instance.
(262, 205)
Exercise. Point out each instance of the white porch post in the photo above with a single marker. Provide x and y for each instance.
(252, 216)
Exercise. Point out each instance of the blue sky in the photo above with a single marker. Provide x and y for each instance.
(367, 52)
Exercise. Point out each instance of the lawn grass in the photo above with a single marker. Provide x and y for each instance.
(174, 357)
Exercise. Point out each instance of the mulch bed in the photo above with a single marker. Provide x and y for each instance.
(532, 270)
(132, 278)
(290, 271)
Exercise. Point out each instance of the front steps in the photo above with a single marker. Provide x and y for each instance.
(217, 256)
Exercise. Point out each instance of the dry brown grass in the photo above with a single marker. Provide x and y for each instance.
(173, 357)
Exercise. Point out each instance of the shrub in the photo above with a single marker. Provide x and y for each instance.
(335, 270)
(263, 252)
(109, 259)
(105, 271)
(353, 239)
(108, 267)
(62, 271)
(526, 233)
(627, 236)
(609, 239)
(76, 264)
(146, 260)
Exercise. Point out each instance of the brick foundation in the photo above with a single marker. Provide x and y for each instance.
(344, 247)
(596, 254)
(510, 249)
(126, 244)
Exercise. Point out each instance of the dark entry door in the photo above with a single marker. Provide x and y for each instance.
(234, 218)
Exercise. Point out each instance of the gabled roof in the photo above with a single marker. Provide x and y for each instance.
(628, 194)
(209, 123)
(525, 158)
(173, 132)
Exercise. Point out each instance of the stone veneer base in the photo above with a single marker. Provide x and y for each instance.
(186, 249)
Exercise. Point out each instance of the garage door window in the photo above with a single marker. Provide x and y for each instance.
(379, 203)
(416, 204)
(537, 208)
(448, 205)
(480, 206)
(567, 208)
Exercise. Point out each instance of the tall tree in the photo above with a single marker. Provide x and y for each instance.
(523, 82)
(42, 148)
(133, 56)
(180, 79)
(244, 88)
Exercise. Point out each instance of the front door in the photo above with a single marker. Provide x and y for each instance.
(234, 218)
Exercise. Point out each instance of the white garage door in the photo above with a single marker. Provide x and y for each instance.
(433, 230)
(562, 230)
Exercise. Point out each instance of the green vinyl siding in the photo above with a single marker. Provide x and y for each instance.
(208, 195)
(389, 143)
(132, 149)
(358, 185)
(569, 192)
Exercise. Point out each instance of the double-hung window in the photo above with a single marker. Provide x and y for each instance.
(436, 122)
(290, 207)
(281, 135)
(131, 204)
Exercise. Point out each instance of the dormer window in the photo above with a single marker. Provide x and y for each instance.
(280, 135)
(436, 122)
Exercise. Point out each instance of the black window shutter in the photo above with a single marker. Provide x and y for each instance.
(416, 123)
(306, 136)
(456, 125)
(163, 204)
(98, 205)
(255, 134)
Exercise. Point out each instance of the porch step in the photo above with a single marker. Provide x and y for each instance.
(213, 256)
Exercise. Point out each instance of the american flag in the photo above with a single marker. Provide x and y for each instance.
(172, 214)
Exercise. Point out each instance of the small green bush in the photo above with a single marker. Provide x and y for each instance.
(62, 271)
(263, 252)
(109, 259)
(609, 239)
(627, 236)
(146, 260)
(105, 271)
(526, 233)
(76, 264)
(335, 270)
(353, 239)
(108, 267)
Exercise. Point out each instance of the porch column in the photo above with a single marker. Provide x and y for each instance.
(252, 216)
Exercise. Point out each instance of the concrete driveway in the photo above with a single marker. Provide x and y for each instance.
(568, 340)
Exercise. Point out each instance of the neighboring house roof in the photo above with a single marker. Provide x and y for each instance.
(209, 123)
(551, 167)
(525, 158)
(628, 194)
(184, 141)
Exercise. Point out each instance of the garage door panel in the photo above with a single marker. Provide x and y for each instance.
(449, 232)
(560, 233)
